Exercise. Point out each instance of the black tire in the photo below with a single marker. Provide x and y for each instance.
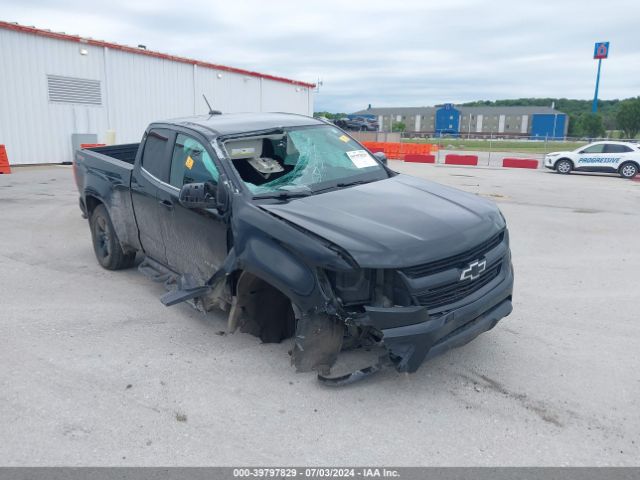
(628, 170)
(564, 166)
(106, 245)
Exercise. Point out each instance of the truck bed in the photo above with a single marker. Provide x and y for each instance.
(125, 152)
(103, 174)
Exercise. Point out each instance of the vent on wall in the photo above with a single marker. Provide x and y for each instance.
(74, 90)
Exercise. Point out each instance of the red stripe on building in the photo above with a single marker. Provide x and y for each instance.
(149, 53)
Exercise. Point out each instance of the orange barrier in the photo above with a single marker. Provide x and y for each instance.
(392, 150)
(511, 162)
(374, 147)
(416, 148)
(92, 145)
(399, 150)
(4, 160)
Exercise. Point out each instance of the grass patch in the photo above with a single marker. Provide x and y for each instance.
(482, 145)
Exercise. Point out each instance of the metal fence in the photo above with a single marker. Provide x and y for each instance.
(492, 149)
(377, 136)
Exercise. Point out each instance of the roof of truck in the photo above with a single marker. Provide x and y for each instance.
(234, 123)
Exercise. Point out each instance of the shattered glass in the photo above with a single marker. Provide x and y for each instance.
(319, 155)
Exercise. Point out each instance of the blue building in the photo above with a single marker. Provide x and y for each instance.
(548, 125)
(447, 120)
(537, 123)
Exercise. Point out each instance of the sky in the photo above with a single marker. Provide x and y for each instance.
(383, 53)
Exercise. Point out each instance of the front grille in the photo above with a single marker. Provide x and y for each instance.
(456, 261)
(456, 291)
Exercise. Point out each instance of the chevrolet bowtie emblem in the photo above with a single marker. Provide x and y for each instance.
(473, 270)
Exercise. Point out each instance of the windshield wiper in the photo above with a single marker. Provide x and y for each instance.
(344, 184)
(355, 182)
(285, 194)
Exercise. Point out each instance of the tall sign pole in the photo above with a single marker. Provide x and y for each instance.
(600, 51)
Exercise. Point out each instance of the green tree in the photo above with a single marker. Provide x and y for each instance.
(573, 125)
(628, 117)
(329, 115)
(590, 125)
(572, 107)
(398, 127)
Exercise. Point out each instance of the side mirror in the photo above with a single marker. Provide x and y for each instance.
(381, 156)
(198, 195)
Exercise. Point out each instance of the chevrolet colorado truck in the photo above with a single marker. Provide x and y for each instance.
(296, 230)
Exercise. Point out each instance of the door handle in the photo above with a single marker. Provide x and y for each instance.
(166, 204)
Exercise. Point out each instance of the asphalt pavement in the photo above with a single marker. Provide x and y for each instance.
(96, 371)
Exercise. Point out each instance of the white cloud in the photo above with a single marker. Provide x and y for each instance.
(380, 52)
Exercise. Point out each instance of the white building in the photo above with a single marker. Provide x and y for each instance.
(53, 85)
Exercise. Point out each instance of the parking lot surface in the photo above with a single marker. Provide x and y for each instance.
(96, 371)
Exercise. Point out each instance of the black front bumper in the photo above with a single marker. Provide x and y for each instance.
(411, 336)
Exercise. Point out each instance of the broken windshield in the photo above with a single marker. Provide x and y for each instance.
(306, 158)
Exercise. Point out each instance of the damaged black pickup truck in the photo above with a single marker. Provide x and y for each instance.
(296, 230)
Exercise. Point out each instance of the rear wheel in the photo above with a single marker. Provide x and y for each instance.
(106, 245)
(628, 170)
(564, 166)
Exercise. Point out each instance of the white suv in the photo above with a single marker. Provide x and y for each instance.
(610, 157)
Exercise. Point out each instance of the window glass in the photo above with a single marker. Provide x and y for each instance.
(314, 157)
(191, 163)
(153, 156)
(594, 149)
(615, 148)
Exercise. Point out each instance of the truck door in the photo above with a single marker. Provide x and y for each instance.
(195, 239)
(153, 172)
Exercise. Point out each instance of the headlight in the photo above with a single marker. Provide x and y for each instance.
(352, 286)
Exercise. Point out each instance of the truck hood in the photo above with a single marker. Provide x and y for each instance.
(397, 222)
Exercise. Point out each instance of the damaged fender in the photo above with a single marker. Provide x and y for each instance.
(262, 262)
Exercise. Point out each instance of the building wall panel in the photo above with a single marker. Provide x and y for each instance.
(34, 129)
(135, 89)
(145, 89)
(227, 92)
(282, 97)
